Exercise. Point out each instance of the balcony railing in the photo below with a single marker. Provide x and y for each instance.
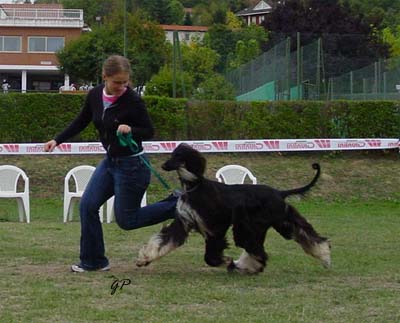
(57, 18)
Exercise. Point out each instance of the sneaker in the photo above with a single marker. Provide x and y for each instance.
(79, 269)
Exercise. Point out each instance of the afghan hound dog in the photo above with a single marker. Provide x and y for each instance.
(210, 208)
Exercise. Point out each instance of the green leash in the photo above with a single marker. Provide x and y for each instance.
(127, 141)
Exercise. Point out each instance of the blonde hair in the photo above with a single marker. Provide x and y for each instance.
(116, 64)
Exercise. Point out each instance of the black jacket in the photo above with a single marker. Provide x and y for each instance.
(129, 109)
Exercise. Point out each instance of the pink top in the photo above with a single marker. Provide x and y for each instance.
(109, 99)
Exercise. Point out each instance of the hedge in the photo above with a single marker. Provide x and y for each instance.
(39, 117)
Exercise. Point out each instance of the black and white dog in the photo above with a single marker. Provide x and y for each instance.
(210, 207)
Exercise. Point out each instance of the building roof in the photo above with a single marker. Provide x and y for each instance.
(40, 15)
(184, 28)
(260, 8)
(31, 6)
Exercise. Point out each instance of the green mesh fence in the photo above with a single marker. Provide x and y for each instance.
(280, 74)
(258, 78)
(378, 81)
(289, 71)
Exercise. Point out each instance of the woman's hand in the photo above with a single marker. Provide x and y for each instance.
(50, 145)
(124, 129)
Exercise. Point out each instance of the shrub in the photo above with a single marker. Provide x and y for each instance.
(39, 117)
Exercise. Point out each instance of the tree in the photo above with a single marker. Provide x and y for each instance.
(381, 13)
(199, 61)
(91, 8)
(214, 12)
(201, 80)
(393, 39)
(216, 87)
(82, 58)
(161, 84)
(224, 41)
(202, 15)
(198, 64)
(244, 52)
(163, 11)
(176, 12)
(187, 21)
(221, 39)
(146, 50)
(254, 32)
(233, 22)
(346, 36)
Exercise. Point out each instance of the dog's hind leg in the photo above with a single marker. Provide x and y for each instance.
(168, 239)
(250, 237)
(296, 227)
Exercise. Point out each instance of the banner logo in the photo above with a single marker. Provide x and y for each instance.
(91, 149)
(201, 146)
(168, 146)
(323, 143)
(65, 148)
(11, 148)
(299, 145)
(272, 144)
(220, 145)
(35, 149)
(150, 147)
(351, 144)
(373, 143)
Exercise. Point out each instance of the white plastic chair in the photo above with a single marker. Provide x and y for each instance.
(110, 207)
(9, 176)
(81, 176)
(234, 174)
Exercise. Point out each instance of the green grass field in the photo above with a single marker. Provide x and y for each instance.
(356, 204)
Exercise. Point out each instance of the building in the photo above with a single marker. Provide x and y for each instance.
(186, 34)
(256, 14)
(30, 35)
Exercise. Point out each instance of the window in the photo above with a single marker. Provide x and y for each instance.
(10, 44)
(54, 44)
(41, 85)
(45, 44)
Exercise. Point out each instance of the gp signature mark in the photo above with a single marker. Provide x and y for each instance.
(119, 284)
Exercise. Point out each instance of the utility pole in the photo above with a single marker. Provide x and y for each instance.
(124, 28)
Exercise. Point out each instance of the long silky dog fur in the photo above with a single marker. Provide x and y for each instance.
(210, 208)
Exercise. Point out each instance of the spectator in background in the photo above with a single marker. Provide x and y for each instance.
(5, 86)
(83, 87)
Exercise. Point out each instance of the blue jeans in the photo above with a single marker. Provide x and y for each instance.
(127, 178)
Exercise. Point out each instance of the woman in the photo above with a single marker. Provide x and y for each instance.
(114, 106)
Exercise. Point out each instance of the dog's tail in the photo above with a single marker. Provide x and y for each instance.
(304, 189)
(296, 227)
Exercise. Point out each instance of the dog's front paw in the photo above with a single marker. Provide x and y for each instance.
(142, 262)
(227, 260)
(231, 267)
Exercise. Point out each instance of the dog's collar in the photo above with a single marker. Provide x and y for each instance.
(191, 189)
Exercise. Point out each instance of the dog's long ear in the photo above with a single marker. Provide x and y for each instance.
(196, 164)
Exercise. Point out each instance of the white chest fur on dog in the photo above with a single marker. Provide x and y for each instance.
(190, 217)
